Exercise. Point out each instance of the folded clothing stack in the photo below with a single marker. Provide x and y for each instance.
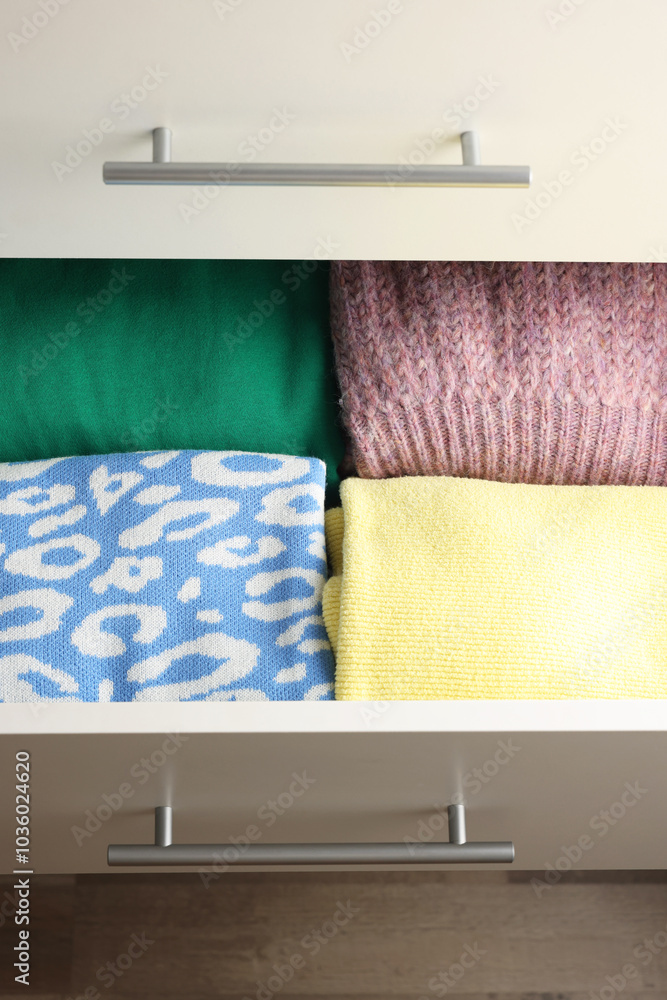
(163, 576)
(451, 588)
(105, 356)
(512, 372)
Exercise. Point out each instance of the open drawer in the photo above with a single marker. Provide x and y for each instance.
(572, 784)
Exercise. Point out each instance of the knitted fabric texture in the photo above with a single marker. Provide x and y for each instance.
(451, 588)
(103, 356)
(514, 372)
(165, 576)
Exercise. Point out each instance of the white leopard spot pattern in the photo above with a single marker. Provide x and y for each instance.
(52, 522)
(28, 562)
(238, 694)
(317, 545)
(318, 692)
(14, 472)
(105, 690)
(210, 468)
(160, 460)
(221, 553)
(51, 603)
(235, 658)
(313, 645)
(100, 481)
(289, 674)
(210, 615)
(19, 501)
(92, 639)
(156, 494)
(120, 574)
(277, 509)
(190, 553)
(293, 633)
(150, 530)
(14, 687)
(190, 590)
(261, 583)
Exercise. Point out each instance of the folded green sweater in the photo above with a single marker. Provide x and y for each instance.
(102, 356)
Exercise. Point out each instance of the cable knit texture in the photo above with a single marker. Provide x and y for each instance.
(515, 372)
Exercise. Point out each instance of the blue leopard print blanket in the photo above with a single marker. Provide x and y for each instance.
(163, 576)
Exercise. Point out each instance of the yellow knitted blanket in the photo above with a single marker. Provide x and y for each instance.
(460, 588)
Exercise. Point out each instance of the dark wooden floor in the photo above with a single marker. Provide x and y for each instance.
(460, 934)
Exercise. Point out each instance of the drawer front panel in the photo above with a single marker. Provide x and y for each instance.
(588, 800)
(578, 96)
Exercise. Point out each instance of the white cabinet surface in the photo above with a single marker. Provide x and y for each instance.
(574, 88)
(573, 784)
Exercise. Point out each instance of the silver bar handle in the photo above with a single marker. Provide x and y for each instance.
(163, 826)
(471, 172)
(457, 851)
(161, 145)
(470, 149)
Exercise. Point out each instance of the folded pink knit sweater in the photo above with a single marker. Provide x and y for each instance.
(533, 373)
